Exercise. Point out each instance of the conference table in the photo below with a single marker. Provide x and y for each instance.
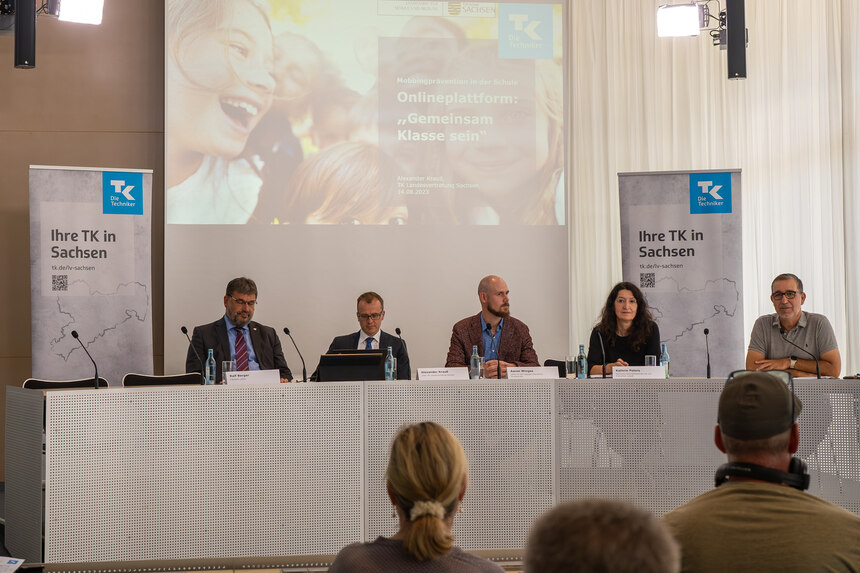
(241, 476)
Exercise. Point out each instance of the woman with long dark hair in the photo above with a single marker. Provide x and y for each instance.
(627, 331)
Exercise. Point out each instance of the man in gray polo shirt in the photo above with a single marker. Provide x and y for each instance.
(775, 338)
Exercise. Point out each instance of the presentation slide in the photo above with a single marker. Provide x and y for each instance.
(364, 112)
(409, 132)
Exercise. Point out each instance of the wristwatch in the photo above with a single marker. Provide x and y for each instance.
(792, 362)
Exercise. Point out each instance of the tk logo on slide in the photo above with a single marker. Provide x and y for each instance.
(521, 23)
(525, 31)
(710, 193)
(122, 193)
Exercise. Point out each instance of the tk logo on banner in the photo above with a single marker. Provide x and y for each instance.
(122, 193)
(710, 193)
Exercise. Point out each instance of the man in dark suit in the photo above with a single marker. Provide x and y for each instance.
(260, 347)
(501, 339)
(370, 313)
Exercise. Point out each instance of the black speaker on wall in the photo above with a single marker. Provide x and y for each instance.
(736, 39)
(25, 33)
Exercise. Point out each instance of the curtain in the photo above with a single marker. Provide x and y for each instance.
(643, 103)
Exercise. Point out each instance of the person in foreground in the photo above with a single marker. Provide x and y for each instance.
(775, 338)
(426, 482)
(600, 535)
(502, 340)
(370, 311)
(236, 337)
(626, 332)
(758, 518)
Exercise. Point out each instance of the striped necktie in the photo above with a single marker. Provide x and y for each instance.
(241, 350)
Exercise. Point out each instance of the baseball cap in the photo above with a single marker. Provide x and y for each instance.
(757, 405)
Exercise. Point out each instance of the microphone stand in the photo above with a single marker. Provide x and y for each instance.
(708, 353)
(202, 367)
(304, 370)
(96, 379)
(785, 337)
(602, 351)
(405, 350)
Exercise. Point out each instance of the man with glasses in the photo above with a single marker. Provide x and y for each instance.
(236, 337)
(758, 518)
(502, 340)
(370, 312)
(775, 338)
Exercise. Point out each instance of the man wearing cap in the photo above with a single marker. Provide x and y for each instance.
(757, 518)
(792, 339)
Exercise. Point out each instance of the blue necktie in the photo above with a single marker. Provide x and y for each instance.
(368, 344)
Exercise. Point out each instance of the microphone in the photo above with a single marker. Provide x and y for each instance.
(496, 350)
(602, 350)
(405, 351)
(708, 352)
(304, 371)
(96, 379)
(811, 355)
(202, 368)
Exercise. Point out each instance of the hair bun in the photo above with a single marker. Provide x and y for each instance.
(422, 508)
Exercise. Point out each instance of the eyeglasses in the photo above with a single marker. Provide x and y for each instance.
(374, 317)
(784, 376)
(789, 294)
(240, 302)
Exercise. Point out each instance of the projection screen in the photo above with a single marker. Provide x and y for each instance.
(325, 148)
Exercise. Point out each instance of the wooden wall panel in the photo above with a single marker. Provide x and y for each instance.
(95, 99)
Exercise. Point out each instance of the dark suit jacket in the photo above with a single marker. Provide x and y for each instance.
(398, 348)
(515, 344)
(267, 347)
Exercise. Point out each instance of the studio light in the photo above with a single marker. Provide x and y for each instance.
(729, 33)
(80, 11)
(674, 20)
(20, 16)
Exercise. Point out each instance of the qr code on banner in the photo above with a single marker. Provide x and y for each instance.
(647, 280)
(60, 282)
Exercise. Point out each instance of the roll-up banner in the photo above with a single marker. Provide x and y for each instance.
(681, 244)
(90, 271)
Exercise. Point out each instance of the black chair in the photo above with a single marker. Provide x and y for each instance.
(169, 380)
(37, 384)
(560, 364)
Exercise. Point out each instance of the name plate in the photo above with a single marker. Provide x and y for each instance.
(453, 373)
(532, 372)
(10, 565)
(641, 372)
(252, 377)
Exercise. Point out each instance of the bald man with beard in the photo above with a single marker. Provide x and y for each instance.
(502, 340)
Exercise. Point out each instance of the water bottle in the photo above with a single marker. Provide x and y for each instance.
(390, 368)
(581, 363)
(664, 358)
(475, 364)
(210, 368)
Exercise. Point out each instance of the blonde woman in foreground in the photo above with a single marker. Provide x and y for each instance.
(426, 481)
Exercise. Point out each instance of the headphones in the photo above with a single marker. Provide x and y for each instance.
(796, 476)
